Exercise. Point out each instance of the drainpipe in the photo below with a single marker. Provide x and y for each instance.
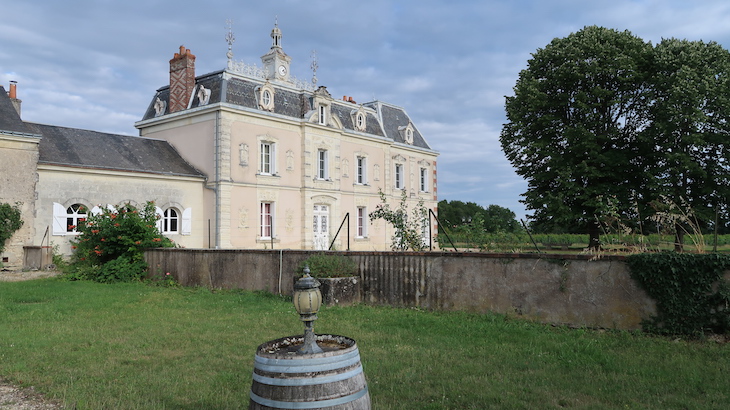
(217, 180)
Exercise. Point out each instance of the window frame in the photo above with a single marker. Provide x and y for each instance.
(169, 220)
(423, 179)
(322, 115)
(361, 230)
(322, 164)
(267, 158)
(398, 176)
(361, 170)
(75, 216)
(266, 220)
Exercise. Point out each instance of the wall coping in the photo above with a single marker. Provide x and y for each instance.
(433, 254)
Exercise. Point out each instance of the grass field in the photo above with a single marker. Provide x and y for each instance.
(134, 346)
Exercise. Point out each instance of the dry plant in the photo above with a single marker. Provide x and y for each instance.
(676, 218)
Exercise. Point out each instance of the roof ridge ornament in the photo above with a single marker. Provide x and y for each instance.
(314, 67)
(230, 39)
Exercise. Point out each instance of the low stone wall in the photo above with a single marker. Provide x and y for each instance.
(564, 289)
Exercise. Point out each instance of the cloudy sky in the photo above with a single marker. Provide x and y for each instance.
(95, 64)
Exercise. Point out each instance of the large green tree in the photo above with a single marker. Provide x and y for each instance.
(690, 129)
(578, 109)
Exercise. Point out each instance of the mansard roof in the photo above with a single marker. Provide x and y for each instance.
(382, 119)
(9, 118)
(92, 149)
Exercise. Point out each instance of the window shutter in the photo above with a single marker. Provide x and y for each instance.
(96, 210)
(187, 221)
(59, 219)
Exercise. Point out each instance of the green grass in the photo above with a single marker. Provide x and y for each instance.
(132, 346)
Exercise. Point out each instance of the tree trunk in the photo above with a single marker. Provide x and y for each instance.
(678, 238)
(594, 233)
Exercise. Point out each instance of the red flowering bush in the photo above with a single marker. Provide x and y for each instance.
(111, 244)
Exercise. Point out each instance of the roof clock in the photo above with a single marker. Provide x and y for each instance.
(276, 62)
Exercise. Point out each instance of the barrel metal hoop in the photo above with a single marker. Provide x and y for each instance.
(306, 361)
(291, 366)
(307, 381)
(308, 404)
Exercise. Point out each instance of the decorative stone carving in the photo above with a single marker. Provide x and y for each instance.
(160, 107)
(243, 154)
(203, 95)
(242, 218)
(290, 160)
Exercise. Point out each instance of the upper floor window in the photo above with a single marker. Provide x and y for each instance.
(399, 176)
(267, 163)
(171, 221)
(424, 180)
(361, 170)
(322, 164)
(266, 98)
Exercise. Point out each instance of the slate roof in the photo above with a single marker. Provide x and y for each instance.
(242, 91)
(9, 119)
(92, 149)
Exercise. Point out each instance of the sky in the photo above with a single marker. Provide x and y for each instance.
(96, 64)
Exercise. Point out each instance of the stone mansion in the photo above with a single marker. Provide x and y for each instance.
(244, 157)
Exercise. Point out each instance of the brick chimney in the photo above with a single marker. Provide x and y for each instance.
(13, 94)
(182, 79)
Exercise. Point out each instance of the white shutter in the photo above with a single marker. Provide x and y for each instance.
(111, 208)
(158, 212)
(96, 210)
(187, 221)
(59, 219)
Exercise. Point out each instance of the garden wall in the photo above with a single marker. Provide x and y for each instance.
(564, 289)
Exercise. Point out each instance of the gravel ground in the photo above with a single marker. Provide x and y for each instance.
(12, 397)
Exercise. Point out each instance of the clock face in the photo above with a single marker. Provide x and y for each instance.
(282, 70)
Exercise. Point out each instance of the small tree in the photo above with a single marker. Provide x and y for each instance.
(111, 244)
(408, 225)
(9, 222)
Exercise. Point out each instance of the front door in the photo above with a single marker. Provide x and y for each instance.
(320, 227)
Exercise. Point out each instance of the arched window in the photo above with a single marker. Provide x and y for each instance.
(75, 214)
(171, 221)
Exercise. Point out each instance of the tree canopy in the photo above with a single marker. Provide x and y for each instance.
(493, 219)
(602, 119)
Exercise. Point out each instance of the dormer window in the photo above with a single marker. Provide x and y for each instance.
(406, 133)
(266, 97)
(360, 121)
(322, 119)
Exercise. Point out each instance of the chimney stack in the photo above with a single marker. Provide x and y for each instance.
(13, 94)
(182, 79)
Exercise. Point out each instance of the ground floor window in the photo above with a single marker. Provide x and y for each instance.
(171, 221)
(267, 220)
(362, 218)
(75, 214)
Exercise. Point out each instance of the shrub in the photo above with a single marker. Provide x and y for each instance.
(9, 222)
(323, 265)
(111, 244)
(690, 293)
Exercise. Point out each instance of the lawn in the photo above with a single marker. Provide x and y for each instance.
(133, 346)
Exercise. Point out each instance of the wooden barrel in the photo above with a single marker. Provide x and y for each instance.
(333, 379)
